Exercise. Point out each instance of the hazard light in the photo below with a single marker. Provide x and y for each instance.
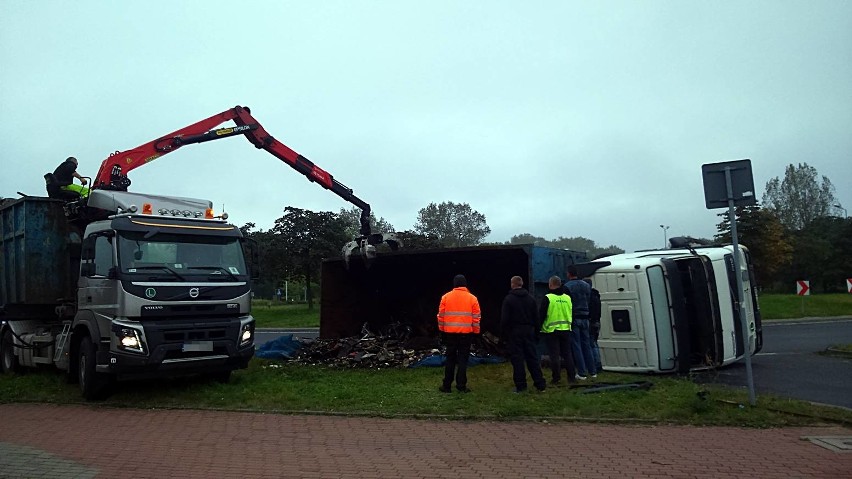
(208, 213)
(147, 209)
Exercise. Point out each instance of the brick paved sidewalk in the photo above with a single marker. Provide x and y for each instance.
(88, 442)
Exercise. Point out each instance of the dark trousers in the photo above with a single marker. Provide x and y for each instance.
(559, 347)
(458, 351)
(522, 350)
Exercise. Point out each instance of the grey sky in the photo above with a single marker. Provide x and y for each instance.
(553, 118)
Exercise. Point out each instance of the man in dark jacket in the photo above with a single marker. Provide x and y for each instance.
(595, 323)
(581, 293)
(61, 183)
(518, 322)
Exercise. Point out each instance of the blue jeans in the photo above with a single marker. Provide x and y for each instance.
(596, 352)
(582, 345)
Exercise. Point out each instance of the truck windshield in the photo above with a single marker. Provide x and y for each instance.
(180, 256)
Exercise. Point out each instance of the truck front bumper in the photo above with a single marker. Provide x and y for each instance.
(167, 360)
(181, 347)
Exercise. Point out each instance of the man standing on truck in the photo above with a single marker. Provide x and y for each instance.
(519, 323)
(555, 314)
(581, 294)
(64, 175)
(458, 320)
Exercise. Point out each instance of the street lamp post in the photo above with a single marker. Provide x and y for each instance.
(842, 208)
(665, 237)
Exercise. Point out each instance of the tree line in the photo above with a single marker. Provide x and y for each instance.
(795, 233)
(293, 249)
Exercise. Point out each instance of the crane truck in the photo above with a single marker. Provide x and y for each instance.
(123, 285)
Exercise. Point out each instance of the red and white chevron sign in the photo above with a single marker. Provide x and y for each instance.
(803, 288)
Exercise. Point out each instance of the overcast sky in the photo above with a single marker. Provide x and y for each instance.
(554, 118)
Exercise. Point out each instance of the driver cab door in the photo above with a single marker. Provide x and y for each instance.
(98, 286)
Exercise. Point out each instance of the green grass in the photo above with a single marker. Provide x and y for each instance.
(270, 314)
(273, 386)
(791, 306)
(279, 387)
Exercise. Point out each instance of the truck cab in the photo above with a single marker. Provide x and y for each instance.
(675, 310)
(162, 288)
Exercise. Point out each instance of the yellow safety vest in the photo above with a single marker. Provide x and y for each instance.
(558, 313)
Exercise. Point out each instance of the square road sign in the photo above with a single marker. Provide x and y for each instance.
(716, 185)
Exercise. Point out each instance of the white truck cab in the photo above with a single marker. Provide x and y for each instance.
(675, 310)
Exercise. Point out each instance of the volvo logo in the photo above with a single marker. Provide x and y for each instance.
(193, 292)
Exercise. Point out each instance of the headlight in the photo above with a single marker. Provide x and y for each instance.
(247, 334)
(130, 339)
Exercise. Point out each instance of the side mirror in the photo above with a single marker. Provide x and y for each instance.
(252, 256)
(88, 252)
(87, 269)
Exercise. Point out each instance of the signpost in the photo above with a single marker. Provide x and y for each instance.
(730, 183)
(803, 288)
(849, 285)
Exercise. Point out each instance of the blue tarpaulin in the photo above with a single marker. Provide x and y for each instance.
(283, 347)
(438, 360)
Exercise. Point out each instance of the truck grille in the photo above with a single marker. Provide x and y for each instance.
(194, 335)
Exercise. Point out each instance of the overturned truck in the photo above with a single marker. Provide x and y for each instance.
(405, 287)
(669, 310)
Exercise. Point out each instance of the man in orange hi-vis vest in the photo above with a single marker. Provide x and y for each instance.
(458, 321)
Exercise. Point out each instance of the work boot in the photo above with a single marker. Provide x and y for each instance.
(464, 390)
(445, 389)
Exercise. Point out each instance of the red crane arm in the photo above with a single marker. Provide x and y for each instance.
(124, 161)
(112, 174)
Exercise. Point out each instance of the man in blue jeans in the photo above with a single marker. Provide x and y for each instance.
(581, 293)
(595, 323)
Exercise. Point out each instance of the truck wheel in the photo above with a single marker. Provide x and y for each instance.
(93, 385)
(8, 361)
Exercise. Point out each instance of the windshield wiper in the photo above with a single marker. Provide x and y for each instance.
(162, 266)
(217, 270)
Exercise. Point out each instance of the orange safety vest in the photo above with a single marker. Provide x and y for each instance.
(459, 312)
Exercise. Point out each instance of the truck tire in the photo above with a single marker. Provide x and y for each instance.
(8, 361)
(93, 385)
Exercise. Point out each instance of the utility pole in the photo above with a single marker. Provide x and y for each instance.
(842, 208)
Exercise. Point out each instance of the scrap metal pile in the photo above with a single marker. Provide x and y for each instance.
(394, 347)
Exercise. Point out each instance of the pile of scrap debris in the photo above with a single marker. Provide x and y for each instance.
(394, 347)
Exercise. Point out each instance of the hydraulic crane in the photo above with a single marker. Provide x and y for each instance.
(112, 174)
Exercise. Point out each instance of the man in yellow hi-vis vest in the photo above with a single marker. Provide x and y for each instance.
(555, 313)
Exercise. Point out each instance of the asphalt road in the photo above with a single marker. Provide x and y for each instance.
(790, 364)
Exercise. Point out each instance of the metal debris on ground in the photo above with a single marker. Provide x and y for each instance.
(393, 347)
